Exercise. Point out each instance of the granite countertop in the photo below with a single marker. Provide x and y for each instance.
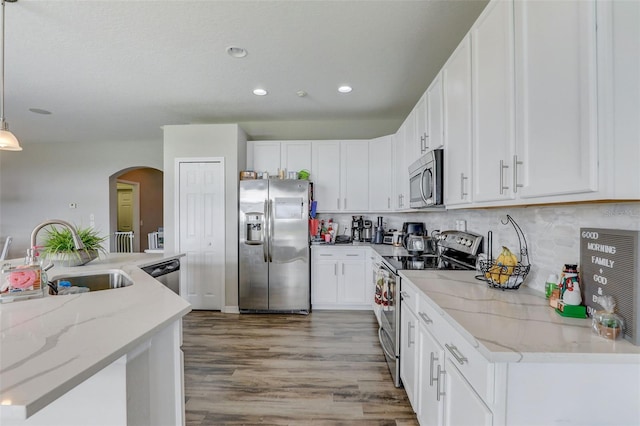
(51, 344)
(515, 325)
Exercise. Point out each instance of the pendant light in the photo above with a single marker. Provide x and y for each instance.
(8, 142)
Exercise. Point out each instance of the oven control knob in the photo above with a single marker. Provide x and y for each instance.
(468, 243)
(459, 240)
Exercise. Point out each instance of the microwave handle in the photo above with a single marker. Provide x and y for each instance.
(422, 185)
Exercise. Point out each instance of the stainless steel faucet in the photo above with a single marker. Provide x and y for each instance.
(31, 252)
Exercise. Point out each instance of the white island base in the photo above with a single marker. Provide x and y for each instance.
(108, 358)
(129, 391)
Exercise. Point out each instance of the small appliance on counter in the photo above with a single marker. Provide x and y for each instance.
(357, 227)
(412, 228)
(379, 236)
(389, 236)
(367, 231)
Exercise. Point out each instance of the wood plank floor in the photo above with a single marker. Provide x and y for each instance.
(325, 368)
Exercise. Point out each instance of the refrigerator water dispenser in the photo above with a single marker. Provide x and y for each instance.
(254, 228)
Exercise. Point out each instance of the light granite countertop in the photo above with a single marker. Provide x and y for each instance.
(515, 325)
(51, 344)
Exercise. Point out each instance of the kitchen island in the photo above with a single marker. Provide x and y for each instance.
(106, 357)
(505, 357)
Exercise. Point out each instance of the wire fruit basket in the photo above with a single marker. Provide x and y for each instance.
(507, 275)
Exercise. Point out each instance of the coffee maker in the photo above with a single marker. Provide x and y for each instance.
(367, 231)
(357, 226)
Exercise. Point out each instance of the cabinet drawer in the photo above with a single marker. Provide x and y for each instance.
(409, 296)
(475, 368)
(338, 254)
(351, 254)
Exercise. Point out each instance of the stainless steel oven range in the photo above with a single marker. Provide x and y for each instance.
(457, 250)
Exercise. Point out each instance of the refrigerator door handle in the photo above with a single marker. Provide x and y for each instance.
(265, 232)
(271, 230)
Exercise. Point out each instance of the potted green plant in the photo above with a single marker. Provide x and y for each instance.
(58, 246)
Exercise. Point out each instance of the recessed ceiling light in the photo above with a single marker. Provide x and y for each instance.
(259, 92)
(236, 52)
(345, 89)
(40, 111)
(301, 93)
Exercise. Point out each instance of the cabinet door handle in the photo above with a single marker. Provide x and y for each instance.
(440, 373)
(326, 254)
(335, 269)
(426, 319)
(409, 340)
(462, 193)
(516, 163)
(345, 203)
(388, 202)
(338, 203)
(432, 361)
(456, 354)
(426, 142)
(343, 269)
(502, 167)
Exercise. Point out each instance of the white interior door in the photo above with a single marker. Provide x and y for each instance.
(202, 233)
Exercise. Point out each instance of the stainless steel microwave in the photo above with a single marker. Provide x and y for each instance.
(425, 180)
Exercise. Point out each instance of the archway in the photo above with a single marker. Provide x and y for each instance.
(146, 209)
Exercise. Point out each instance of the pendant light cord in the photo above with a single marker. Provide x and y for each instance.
(2, 122)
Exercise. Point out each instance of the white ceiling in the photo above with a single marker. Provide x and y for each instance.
(119, 70)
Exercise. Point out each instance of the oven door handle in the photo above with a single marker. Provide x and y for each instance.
(384, 348)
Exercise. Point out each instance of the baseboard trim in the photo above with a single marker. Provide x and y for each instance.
(231, 310)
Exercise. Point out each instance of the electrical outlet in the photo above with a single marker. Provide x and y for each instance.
(73, 205)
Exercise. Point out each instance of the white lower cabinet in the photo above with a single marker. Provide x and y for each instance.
(431, 370)
(446, 380)
(409, 352)
(339, 278)
(462, 405)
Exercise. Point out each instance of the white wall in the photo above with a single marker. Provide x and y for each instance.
(552, 232)
(207, 140)
(39, 182)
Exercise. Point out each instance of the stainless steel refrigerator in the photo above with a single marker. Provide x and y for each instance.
(274, 271)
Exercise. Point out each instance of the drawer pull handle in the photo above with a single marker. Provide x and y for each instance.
(426, 318)
(432, 361)
(456, 354)
(352, 255)
(409, 340)
(439, 393)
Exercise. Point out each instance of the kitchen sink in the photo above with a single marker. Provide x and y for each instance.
(94, 281)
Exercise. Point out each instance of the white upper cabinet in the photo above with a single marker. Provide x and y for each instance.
(271, 156)
(381, 174)
(341, 175)
(412, 150)
(422, 123)
(326, 174)
(493, 103)
(295, 156)
(264, 156)
(434, 109)
(354, 162)
(556, 103)
(456, 80)
(401, 197)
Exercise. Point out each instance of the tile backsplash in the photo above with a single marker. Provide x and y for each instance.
(552, 232)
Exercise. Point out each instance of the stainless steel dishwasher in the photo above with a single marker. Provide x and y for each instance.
(167, 272)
